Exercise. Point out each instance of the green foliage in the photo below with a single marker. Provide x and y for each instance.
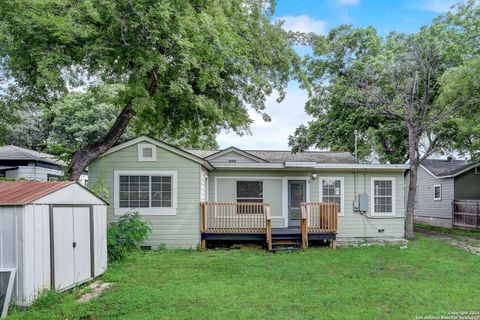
(190, 68)
(333, 71)
(125, 234)
(429, 278)
(80, 118)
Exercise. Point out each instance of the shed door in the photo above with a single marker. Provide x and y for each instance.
(71, 246)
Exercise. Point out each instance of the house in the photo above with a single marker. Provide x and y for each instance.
(440, 182)
(21, 163)
(246, 192)
(53, 234)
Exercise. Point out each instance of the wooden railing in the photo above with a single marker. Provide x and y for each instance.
(236, 217)
(318, 217)
(466, 214)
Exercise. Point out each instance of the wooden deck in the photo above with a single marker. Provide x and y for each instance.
(251, 222)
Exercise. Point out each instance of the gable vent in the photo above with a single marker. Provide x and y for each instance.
(147, 152)
(232, 161)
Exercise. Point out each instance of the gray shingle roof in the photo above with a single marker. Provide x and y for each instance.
(444, 167)
(277, 156)
(16, 153)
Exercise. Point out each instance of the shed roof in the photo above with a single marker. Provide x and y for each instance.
(12, 152)
(445, 167)
(24, 192)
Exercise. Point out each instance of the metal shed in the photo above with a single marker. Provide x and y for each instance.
(53, 233)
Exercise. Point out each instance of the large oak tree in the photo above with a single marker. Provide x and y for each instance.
(194, 65)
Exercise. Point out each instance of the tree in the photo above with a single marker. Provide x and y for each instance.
(195, 64)
(338, 59)
(390, 86)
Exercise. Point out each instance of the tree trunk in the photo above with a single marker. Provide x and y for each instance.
(412, 190)
(83, 157)
(412, 186)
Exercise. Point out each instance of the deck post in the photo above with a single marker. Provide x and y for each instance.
(334, 244)
(268, 226)
(303, 226)
(202, 224)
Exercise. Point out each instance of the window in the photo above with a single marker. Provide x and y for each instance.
(477, 170)
(249, 191)
(331, 190)
(437, 192)
(151, 192)
(147, 152)
(383, 194)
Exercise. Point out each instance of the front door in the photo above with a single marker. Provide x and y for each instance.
(297, 193)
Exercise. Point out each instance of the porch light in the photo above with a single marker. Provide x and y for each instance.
(314, 176)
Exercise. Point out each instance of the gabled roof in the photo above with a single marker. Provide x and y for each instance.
(12, 152)
(444, 168)
(24, 192)
(160, 144)
(237, 151)
(279, 156)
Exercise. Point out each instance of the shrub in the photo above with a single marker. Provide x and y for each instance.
(125, 234)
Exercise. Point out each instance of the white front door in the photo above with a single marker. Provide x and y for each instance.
(71, 246)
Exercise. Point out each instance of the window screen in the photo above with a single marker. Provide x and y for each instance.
(6, 285)
(383, 196)
(332, 192)
(143, 191)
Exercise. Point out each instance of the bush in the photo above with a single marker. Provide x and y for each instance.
(125, 234)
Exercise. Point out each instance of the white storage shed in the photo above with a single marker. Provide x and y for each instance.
(53, 233)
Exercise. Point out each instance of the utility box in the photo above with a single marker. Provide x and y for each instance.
(360, 204)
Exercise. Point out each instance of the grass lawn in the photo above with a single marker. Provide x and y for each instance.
(428, 278)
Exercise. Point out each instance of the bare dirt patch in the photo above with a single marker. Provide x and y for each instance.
(469, 244)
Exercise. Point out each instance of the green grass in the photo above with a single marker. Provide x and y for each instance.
(450, 231)
(427, 278)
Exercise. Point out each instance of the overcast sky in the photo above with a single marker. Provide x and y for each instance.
(319, 16)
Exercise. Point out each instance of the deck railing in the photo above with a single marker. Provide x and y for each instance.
(236, 217)
(318, 217)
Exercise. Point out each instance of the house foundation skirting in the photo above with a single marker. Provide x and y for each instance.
(434, 221)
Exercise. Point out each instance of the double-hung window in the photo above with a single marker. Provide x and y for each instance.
(250, 192)
(383, 196)
(148, 192)
(331, 191)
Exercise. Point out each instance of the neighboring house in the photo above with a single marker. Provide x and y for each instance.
(20, 163)
(440, 182)
(167, 184)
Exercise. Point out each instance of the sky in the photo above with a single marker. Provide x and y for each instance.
(319, 16)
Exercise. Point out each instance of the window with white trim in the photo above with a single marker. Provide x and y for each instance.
(383, 195)
(142, 191)
(147, 152)
(437, 192)
(149, 192)
(249, 191)
(331, 190)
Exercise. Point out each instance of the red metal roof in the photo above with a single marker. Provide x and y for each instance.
(24, 192)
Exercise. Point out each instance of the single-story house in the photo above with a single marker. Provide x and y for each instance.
(21, 163)
(242, 188)
(440, 182)
(53, 234)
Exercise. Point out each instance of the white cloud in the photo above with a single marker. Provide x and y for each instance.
(348, 2)
(439, 6)
(303, 23)
(286, 117)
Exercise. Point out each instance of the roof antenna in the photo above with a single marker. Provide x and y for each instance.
(356, 143)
